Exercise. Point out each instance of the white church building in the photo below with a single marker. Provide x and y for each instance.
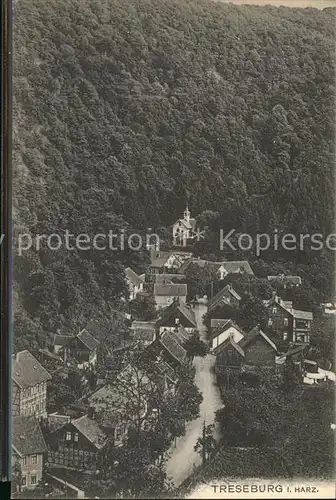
(183, 229)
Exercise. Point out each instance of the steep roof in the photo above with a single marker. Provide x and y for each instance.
(287, 305)
(220, 329)
(165, 369)
(173, 308)
(170, 290)
(27, 436)
(27, 371)
(216, 300)
(170, 341)
(132, 276)
(293, 351)
(252, 334)
(90, 429)
(88, 340)
(230, 342)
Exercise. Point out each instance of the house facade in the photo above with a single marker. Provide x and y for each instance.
(166, 293)
(29, 450)
(29, 386)
(135, 283)
(178, 313)
(81, 348)
(77, 444)
(220, 334)
(227, 296)
(291, 324)
(183, 229)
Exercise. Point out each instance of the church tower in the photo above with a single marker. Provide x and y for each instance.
(186, 214)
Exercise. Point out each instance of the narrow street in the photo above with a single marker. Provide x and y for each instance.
(183, 458)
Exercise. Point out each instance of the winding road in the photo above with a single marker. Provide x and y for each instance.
(183, 458)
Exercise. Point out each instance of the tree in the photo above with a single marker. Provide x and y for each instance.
(292, 377)
(195, 347)
(143, 308)
(206, 444)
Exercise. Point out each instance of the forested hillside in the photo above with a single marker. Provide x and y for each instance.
(123, 109)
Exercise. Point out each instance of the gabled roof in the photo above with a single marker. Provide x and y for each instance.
(170, 342)
(287, 306)
(89, 428)
(252, 334)
(59, 339)
(173, 308)
(170, 290)
(165, 369)
(191, 224)
(133, 277)
(88, 340)
(230, 342)
(216, 300)
(228, 324)
(27, 436)
(27, 371)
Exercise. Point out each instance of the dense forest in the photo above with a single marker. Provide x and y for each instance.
(123, 110)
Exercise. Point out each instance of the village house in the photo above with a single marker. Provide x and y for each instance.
(29, 450)
(135, 283)
(168, 347)
(165, 294)
(81, 348)
(178, 313)
(29, 389)
(165, 262)
(291, 324)
(255, 349)
(184, 229)
(221, 330)
(76, 444)
(222, 269)
(143, 332)
(286, 282)
(57, 341)
(227, 296)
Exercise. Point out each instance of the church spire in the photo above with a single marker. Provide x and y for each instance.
(186, 214)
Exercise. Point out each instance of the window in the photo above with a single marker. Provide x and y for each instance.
(285, 335)
(270, 322)
(285, 321)
(76, 437)
(274, 310)
(24, 461)
(34, 459)
(24, 481)
(68, 436)
(33, 479)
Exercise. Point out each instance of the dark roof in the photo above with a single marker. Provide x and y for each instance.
(27, 371)
(287, 306)
(50, 355)
(27, 436)
(170, 341)
(230, 342)
(233, 266)
(60, 340)
(90, 429)
(88, 340)
(173, 308)
(170, 290)
(216, 300)
(159, 258)
(252, 334)
(132, 276)
(219, 323)
(294, 350)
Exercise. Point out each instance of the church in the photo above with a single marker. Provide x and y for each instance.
(183, 229)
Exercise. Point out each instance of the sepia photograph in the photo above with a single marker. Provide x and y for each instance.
(173, 211)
